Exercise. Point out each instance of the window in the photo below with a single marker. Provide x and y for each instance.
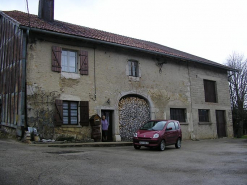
(210, 91)
(133, 68)
(203, 115)
(69, 61)
(177, 125)
(171, 125)
(178, 114)
(65, 60)
(66, 113)
(70, 113)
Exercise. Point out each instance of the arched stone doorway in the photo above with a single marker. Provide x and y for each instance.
(134, 111)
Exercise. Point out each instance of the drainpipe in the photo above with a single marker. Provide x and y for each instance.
(94, 76)
(191, 126)
(23, 124)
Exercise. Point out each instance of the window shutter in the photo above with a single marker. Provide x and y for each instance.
(58, 112)
(56, 58)
(84, 113)
(83, 62)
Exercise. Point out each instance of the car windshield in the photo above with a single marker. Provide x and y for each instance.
(153, 125)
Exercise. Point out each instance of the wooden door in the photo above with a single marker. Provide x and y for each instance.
(221, 123)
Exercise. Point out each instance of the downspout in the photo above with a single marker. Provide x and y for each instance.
(23, 124)
(94, 76)
(191, 126)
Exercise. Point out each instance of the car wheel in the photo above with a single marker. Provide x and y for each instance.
(137, 147)
(178, 143)
(162, 145)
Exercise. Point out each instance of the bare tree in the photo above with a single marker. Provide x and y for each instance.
(238, 91)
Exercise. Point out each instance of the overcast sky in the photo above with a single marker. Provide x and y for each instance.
(212, 29)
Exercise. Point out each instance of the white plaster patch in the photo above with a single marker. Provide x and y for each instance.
(117, 138)
(70, 75)
(69, 97)
(136, 79)
(164, 115)
(29, 90)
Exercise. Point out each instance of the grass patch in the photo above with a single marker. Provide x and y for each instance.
(244, 137)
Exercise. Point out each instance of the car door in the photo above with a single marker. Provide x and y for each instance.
(170, 133)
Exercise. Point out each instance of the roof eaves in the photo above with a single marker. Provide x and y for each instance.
(93, 40)
(10, 18)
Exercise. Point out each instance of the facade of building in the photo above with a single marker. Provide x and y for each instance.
(55, 76)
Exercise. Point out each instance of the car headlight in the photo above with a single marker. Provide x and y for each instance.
(156, 135)
(135, 134)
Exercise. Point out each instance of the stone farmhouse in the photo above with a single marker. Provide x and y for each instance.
(55, 76)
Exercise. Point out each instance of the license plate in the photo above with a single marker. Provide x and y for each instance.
(143, 142)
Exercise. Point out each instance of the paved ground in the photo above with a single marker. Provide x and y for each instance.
(221, 161)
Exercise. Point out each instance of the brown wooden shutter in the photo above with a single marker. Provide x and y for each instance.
(56, 58)
(58, 112)
(83, 62)
(84, 113)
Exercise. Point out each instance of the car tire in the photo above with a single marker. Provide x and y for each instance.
(137, 147)
(162, 145)
(178, 143)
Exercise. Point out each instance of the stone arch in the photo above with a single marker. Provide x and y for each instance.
(134, 111)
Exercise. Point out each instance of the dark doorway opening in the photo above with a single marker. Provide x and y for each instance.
(0, 110)
(221, 123)
(108, 116)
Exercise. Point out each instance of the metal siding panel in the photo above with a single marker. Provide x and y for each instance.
(11, 73)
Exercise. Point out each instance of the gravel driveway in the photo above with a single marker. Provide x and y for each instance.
(219, 161)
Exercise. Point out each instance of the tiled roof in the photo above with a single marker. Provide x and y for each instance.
(81, 31)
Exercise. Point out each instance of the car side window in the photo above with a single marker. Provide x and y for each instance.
(171, 125)
(177, 125)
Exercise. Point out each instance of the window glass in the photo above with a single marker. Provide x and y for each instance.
(171, 125)
(153, 125)
(178, 114)
(69, 61)
(133, 68)
(70, 112)
(176, 125)
(203, 115)
(65, 120)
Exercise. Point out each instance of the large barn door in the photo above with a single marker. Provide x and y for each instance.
(221, 124)
(133, 113)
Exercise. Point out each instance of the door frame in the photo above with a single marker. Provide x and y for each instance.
(110, 121)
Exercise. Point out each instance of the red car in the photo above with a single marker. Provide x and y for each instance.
(158, 133)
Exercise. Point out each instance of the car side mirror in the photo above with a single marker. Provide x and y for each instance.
(170, 128)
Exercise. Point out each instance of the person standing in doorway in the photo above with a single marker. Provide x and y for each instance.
(105, 126)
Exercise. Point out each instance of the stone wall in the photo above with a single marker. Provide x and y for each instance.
(176, 85)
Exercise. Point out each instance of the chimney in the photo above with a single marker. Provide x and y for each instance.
(46, 10)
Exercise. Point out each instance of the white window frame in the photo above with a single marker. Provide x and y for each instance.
(133, 69)
(66, 63)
